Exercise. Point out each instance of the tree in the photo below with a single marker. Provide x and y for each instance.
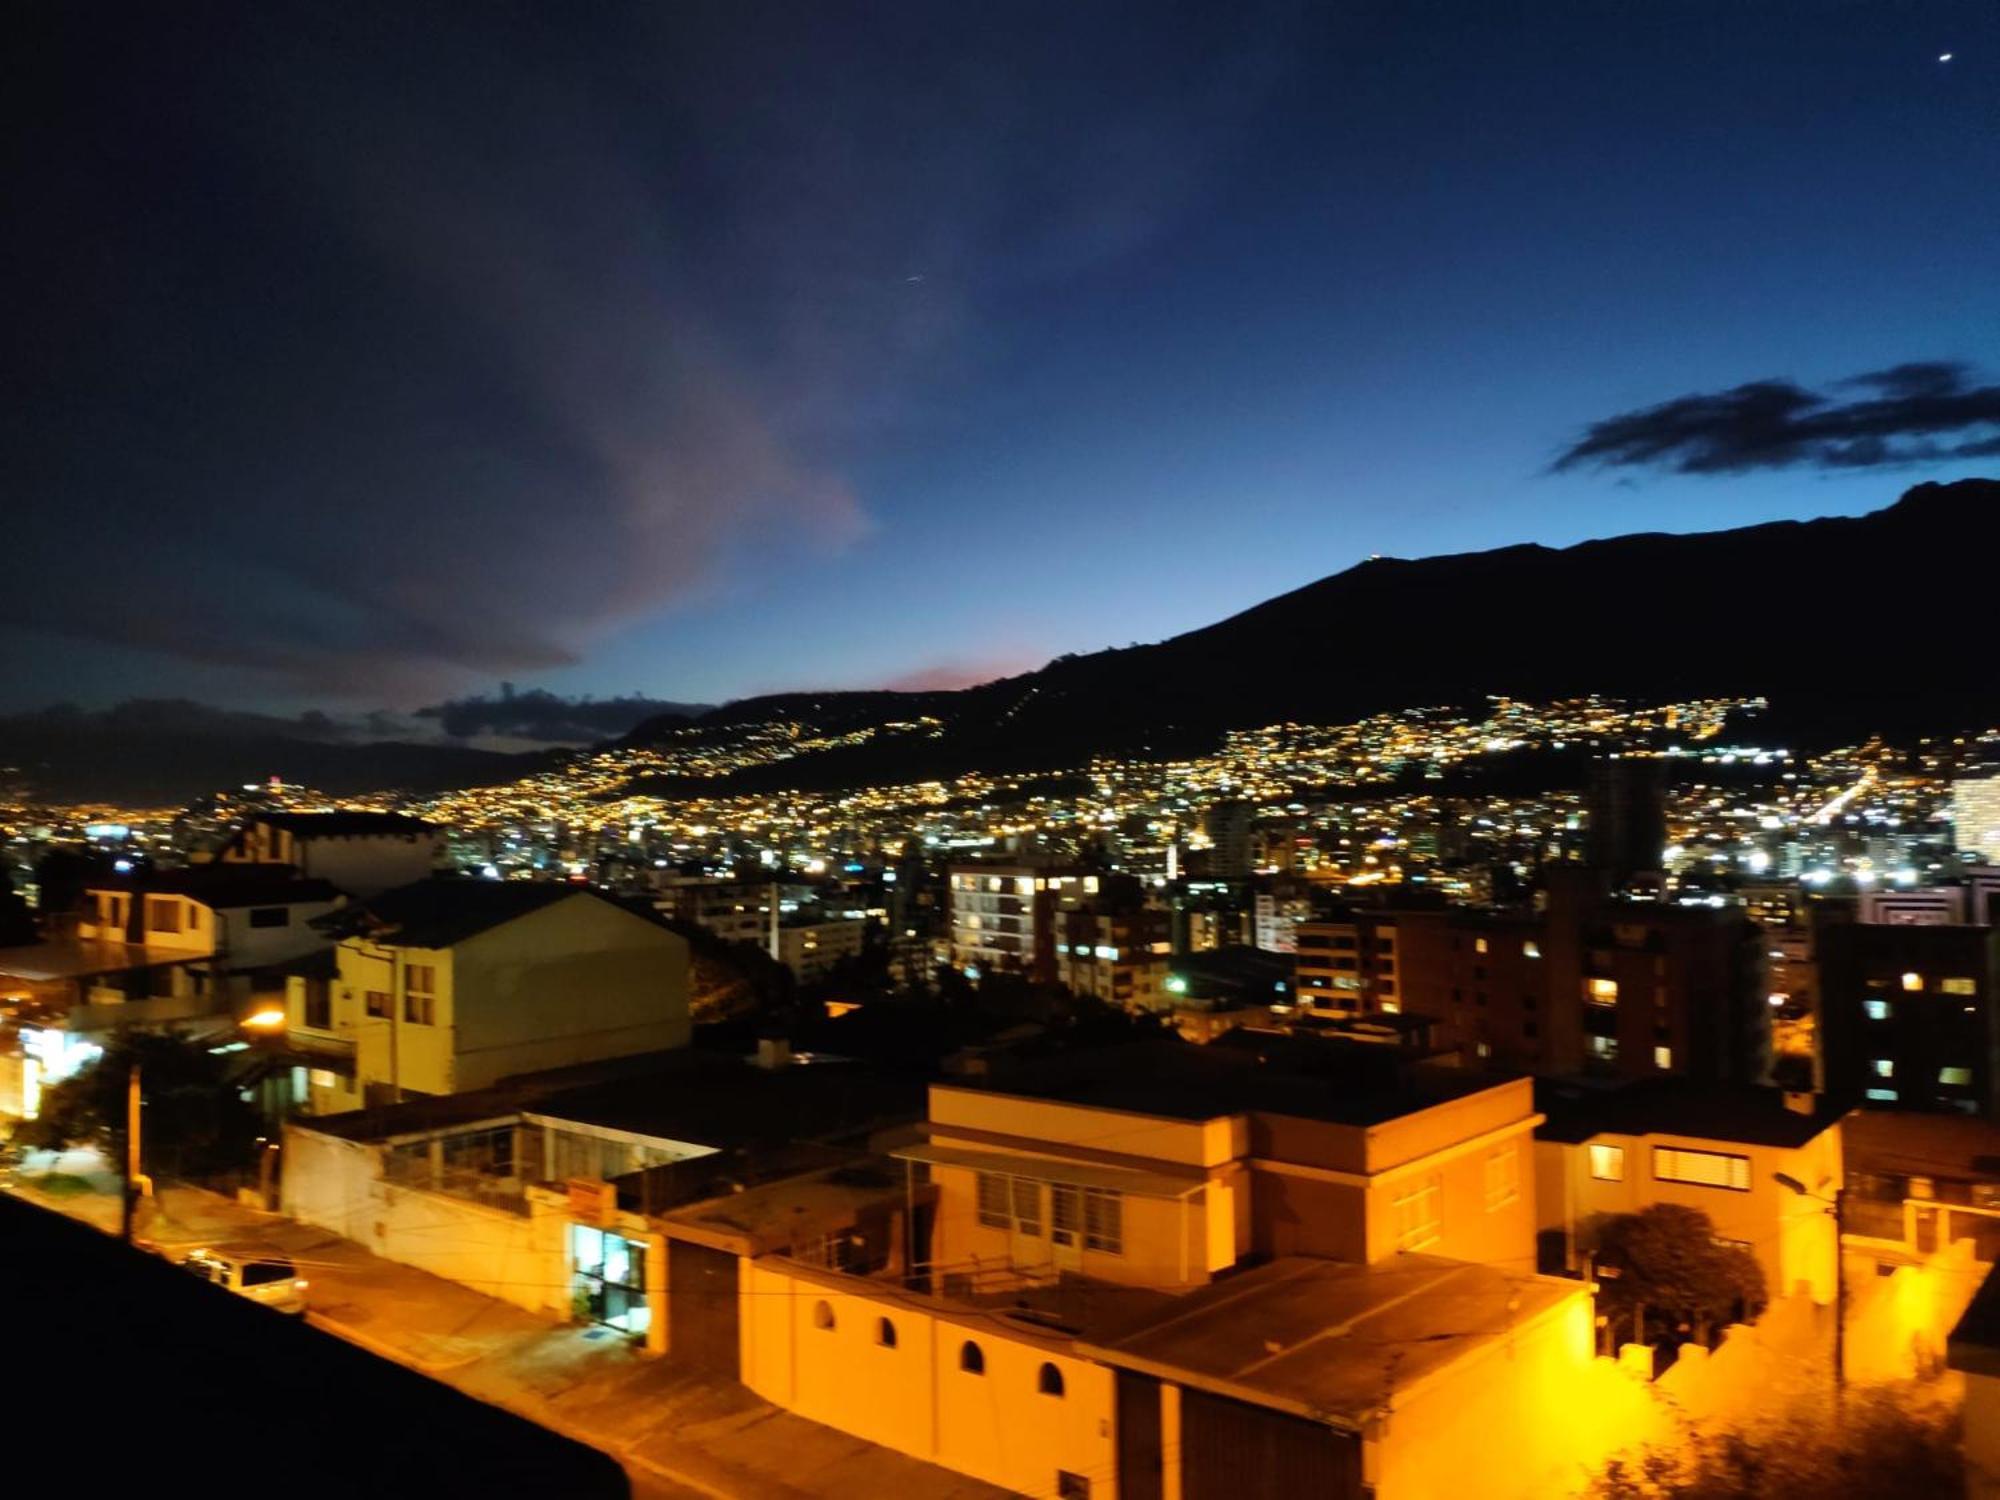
(196, 1120)
(1664, 1263)
(1887, 1444)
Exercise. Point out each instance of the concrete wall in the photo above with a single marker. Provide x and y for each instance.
(1190, 1143)
(577, 981)
(1475, 1224)
(1520, 1419)
(521, 1259)
(914, 1398)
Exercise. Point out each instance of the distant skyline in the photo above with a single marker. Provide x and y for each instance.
(366, 357)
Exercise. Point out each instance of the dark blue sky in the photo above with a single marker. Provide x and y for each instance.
(364, 355)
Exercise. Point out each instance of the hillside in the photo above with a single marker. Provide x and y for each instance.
(1842, 623)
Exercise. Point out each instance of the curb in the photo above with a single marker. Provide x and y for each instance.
(381, 1350)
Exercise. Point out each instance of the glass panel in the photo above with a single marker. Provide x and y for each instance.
(586, 1248)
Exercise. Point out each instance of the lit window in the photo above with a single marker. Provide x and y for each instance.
(1881, 1096)
(1885, 1067)
(1479, 945)
(1958, 1078)
(1913, 982)
(1531, 949)
(322, 1078)
(1875, 1010)
(1959, 986)
(1503, 1177)
(1663, 1058)
(1607, 1163)
(1702, 1168)
(1602, 991)
(1419, 1213)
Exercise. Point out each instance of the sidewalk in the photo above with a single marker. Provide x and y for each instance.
(677, 1433)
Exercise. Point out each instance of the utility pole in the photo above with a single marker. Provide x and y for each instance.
(133, 1177)
(1839, 1304)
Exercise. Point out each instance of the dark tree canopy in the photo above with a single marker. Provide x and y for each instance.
(1665, 1263)
(194, 1118)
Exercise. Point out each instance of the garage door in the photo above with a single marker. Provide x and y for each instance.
(701, 1309)
(1231, 1450)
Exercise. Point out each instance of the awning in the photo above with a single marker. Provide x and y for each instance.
(1046, 1169)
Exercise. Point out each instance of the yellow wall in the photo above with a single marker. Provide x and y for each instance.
(574, 982)
(1164, 1243)
(1470, 1227)
(1190, 1143)
(1791, 1236)
(1518, 1420)
(914, 1398)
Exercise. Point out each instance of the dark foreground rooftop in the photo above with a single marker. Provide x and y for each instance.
(236, 1393)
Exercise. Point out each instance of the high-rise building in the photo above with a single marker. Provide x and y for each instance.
(1227, 825)
(1627, 831)
(1906, 1013)
(1003, 914)
(1975, 815)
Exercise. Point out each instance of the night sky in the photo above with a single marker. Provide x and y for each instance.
(361, 356)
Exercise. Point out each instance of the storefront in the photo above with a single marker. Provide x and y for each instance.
(608, 1279)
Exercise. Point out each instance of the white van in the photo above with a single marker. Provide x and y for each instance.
(261, 1275)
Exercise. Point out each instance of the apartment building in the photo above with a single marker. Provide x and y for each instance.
(449, 985)
(1003, 914)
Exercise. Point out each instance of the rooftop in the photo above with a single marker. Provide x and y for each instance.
(1260, 1072)
(1328, 1340)
(1895, 1143)
(48, 963)
(225, 886)
(1673, 1106)
(700, 1097)
(443, 911)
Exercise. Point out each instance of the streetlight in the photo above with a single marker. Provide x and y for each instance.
(1834, 1205)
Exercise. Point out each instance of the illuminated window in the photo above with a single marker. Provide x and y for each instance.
(1717, 1169)
(1607, 1163)
(1419, 1213)
(322, 1079)
(1663, 1058)
(1503, 1177)
(1885, 1067)
(1479, 945)
(1531, 949)
(1880, 1096)
(1958, 1078)
(1601, 991)
(1875, 1010)
(1913, 982)
(1959, 986)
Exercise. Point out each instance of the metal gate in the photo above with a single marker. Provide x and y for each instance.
(1231, 1450)
(702, 1309)
(1139, 1466)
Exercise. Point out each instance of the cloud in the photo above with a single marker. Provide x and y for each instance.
(379, 351)
(1920, 412)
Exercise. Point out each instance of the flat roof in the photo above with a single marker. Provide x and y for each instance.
(704, 1098)
(1676, 1106)
(1329, 1340)
(224, 886)
(1899, 1143)
(1263, 1073)
(73, 958)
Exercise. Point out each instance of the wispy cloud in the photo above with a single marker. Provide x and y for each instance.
(1921, 412)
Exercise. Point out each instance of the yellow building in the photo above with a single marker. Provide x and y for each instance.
(450, 985)
(1716, 1148)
